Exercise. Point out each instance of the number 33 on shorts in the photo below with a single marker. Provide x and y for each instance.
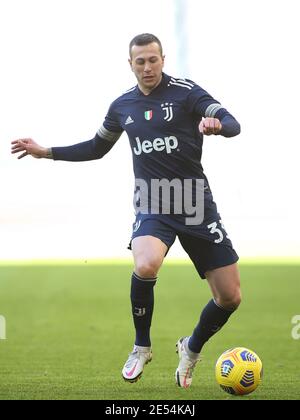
(215, 230)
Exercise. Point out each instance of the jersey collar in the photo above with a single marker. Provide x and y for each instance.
(164, 83)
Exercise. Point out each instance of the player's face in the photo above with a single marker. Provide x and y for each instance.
(147, 64)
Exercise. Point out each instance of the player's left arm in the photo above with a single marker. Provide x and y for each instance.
(223, 124)
(216, 120)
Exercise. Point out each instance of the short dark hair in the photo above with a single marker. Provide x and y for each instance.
(145, 39)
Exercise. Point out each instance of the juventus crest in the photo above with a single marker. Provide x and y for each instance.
(168, 109)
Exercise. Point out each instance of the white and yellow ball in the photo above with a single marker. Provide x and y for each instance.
(239, 371)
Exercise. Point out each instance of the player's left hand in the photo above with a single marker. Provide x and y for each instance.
(210, 126)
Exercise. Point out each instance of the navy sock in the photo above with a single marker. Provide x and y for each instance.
(213, 318)
(142, 299)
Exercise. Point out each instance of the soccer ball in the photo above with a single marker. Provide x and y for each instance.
(239, 371)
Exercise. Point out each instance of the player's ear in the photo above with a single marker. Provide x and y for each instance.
(130, 63)
(163, 59)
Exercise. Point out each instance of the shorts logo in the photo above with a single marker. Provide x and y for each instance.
(168, 109)
(136, 226)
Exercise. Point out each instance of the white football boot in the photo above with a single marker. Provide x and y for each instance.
(187, 364)
(136, 362)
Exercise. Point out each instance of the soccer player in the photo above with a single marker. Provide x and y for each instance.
(165, 119)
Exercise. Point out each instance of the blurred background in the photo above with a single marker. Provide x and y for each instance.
(65, 61)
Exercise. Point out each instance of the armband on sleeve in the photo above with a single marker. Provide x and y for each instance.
(230, 126)
(212, 110)
(107, 135)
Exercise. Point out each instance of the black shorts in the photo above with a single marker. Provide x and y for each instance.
(206, 254)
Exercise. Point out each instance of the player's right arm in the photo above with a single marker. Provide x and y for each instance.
(94, 149)
(30, 147)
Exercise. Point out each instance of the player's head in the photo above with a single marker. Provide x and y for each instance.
(146, 60)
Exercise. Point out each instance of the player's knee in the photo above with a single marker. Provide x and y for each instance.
(231, 302)
(147, 269)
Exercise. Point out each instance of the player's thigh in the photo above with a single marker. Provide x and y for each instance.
(226, 286)
(149, 253)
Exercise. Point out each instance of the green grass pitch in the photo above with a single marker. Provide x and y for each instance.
(69, 331)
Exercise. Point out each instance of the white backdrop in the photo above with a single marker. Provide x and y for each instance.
(64, 61)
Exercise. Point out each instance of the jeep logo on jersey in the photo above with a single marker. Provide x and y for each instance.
(158, 145)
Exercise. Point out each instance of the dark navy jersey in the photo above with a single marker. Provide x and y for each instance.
(166, 144)
(163, 128)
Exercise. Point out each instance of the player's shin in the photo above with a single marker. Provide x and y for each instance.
(142, 300)
(213, 318)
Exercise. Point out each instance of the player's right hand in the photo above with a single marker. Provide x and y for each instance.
(29, 147)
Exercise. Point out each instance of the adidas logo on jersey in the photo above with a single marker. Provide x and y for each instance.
(129, 121)
(167, 144)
